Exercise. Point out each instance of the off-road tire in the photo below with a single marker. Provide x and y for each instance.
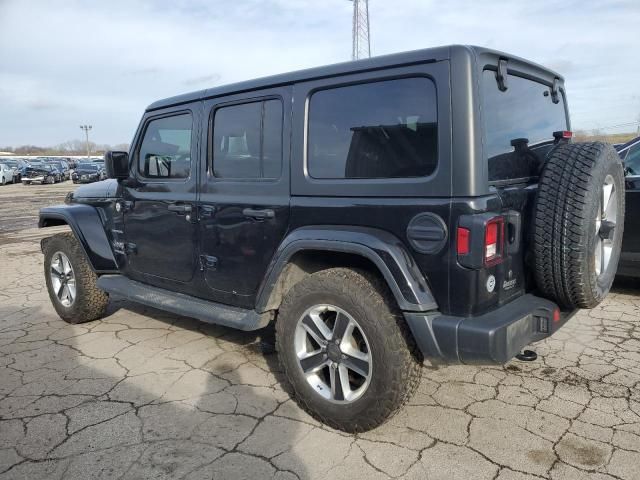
(90, 302)
(396, 361)
(564, 232)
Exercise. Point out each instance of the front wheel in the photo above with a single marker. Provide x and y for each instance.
(71, 282)
(346, 349)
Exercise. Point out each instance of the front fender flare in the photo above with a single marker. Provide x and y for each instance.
(87, 226)
(386, 251)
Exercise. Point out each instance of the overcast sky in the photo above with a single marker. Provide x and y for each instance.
(63, 63)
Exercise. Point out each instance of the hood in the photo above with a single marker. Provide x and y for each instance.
(38, 170)
(104, 189)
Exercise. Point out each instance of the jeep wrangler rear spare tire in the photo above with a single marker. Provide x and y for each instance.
(346, 349)
(578, 225)
(71, 282)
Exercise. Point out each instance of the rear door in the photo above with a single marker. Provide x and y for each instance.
(518, 124)
(244, 192)
(159, 221)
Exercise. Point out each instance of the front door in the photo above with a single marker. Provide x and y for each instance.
(159, 219)
(244, 192)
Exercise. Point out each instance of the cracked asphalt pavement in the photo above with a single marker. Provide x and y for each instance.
(146, 394)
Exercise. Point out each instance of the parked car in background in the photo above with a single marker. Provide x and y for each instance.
(41, 173)
(87, 172)
(16, 166)
(63, 167)
(630, 256)
(6, 174)
(100, 163)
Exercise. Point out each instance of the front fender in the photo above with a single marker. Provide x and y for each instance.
(87, 226)
(386, 251)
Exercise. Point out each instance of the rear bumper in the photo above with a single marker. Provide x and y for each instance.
(492, 338)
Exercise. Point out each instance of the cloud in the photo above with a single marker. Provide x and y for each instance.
(104, 62)
(40, 104)
(205, 79)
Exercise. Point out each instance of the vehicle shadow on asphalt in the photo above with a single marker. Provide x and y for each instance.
(128, 397)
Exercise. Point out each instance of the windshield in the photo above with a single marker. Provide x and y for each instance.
(518, 126)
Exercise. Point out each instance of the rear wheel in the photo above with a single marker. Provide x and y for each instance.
(71, 282)
(579, 224)
(346, 350)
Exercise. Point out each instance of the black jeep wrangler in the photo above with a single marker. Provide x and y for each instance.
(427, 204)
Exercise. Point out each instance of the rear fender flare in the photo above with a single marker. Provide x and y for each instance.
(88, 228)
(387, 252)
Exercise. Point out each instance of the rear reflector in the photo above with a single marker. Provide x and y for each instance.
(463, 241)
(556, 315)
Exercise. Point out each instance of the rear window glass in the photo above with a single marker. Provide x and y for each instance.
(518, 126)
(385, 129)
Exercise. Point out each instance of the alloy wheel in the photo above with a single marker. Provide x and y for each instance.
(63, 279)
(333, 353)
(606, 219)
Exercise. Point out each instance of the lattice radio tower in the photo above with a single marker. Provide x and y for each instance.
(361, 45)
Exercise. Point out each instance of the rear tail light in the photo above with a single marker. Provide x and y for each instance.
(562, 134)
(493, 241)
(463, 241)
(481, 239)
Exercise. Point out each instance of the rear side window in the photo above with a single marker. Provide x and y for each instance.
(385, 129)
(247, 140)
(165, 151)
(518, 126)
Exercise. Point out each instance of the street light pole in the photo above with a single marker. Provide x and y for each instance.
(86, 129)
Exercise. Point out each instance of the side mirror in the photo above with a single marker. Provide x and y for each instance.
(117, 165)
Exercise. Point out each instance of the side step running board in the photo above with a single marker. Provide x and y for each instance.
(182, 304)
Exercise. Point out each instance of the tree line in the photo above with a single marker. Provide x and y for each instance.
(70, 147)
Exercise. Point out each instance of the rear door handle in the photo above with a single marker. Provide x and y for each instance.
(179, 207)
(258, 213)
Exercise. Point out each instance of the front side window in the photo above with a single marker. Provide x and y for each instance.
(165, 152)
(247, 141)
(384, 129)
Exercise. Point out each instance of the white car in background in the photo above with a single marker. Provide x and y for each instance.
(6, 174)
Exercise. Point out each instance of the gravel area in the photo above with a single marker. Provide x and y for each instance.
(146, 394)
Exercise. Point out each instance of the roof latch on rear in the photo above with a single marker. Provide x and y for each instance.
(555, 90)
(501, 74)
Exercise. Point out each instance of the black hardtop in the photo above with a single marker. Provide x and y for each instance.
(480, 56)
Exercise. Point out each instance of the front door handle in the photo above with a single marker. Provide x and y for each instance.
(258, 213)
(179, 207)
